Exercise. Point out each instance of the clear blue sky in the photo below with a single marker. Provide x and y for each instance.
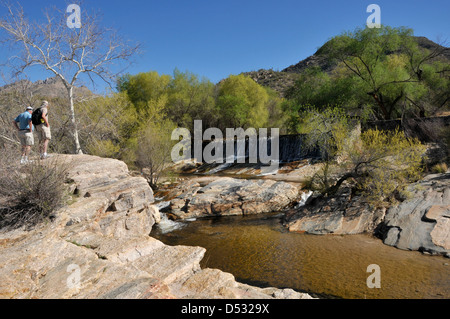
(217, 38)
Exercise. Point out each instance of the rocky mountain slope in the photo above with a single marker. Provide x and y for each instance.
(49, 88)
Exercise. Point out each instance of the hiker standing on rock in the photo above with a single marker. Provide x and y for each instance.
(40, 119)
(24, 125)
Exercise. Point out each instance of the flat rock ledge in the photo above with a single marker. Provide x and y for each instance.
(340, 215)
(230, 196)
(99, 247)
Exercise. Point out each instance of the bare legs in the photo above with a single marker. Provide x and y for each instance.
(26, 150)
(43, 145)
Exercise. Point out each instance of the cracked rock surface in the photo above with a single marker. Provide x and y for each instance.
(423, 221)
(99, 247)
(231, 196)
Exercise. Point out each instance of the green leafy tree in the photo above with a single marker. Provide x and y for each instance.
(106, 124)
(380, 164)
(383, 163)
(326, 131)
(153, 149)
(242, 103)
(318, 88)
(387, 66)
(183, 98)
(146, 90)
(148, 147)
(277, 118)
(379, 74)
(191, 98)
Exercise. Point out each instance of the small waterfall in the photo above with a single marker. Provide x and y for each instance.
(304, 198)
(240, 153)
(161, 204)
(290, 150)
(166, 225)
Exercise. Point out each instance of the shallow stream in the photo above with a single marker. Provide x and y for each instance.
(259, 251)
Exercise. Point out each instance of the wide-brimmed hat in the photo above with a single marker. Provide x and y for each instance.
(29, 108)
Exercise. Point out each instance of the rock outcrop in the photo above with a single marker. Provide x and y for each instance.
(338, 215)
(230, 196)
(423, 221)
(99, 247)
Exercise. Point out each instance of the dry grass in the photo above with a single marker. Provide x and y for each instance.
(440, 168)
(30, 193)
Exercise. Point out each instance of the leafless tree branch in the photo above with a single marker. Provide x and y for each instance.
(67, 53)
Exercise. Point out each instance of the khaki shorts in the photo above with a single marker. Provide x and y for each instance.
(43, 132)
(26, 138)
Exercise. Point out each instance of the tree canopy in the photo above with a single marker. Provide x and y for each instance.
(237, 101)
(381, 73)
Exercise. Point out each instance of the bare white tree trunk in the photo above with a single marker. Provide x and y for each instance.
(66, 52)
(74, 123)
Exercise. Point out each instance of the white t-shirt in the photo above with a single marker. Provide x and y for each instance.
(44, 113)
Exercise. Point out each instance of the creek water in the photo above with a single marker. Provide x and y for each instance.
(258, 250)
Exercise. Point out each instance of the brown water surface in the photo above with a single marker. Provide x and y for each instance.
(259, 251)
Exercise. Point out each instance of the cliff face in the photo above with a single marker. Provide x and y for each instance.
(99, 247)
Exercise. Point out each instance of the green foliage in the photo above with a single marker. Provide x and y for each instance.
(138, 133)
(191, 99)
(327, 130)
(103, 148)
(106, 123)
(387, 65)
(380, 164)
(277, 118)
(242, 103)
(154, 146)
(315, 87)
(182, 98)
(381, 73)
(384, 163)
(145, 90)
(237, 101)
(162, 103)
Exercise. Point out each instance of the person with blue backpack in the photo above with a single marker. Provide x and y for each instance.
(24, 125)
